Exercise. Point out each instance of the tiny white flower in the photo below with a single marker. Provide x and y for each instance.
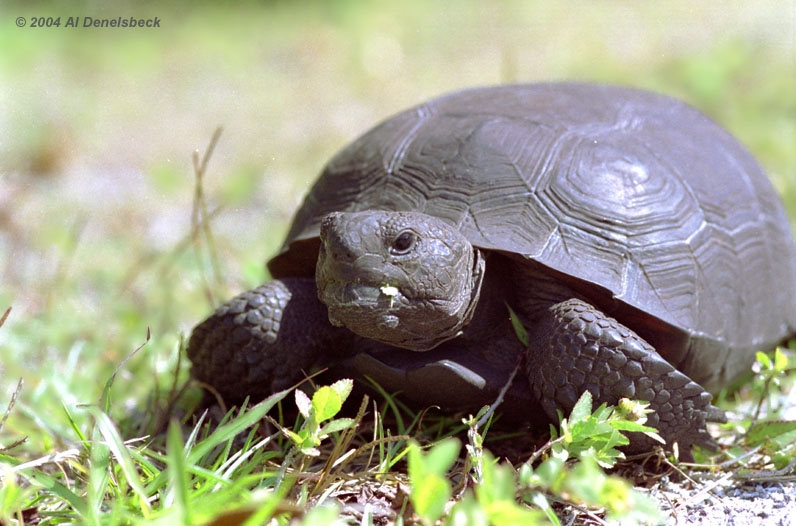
(389, 290)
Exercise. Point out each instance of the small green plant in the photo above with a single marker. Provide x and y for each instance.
(325, 404)
(774, 437)
(494, 500)
(585, 445)
(497, 496)
(584, 482)
(597, 434)
(770, 373)
(431, 488)
(572, 473)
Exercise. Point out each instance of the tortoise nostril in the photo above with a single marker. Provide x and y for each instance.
(336, 239)
(336, 248)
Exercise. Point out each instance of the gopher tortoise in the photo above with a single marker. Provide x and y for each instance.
(641, 245)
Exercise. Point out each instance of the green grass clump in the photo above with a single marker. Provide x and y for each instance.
(231, 472)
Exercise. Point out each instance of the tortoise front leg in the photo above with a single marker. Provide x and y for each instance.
(579, 348)
(264, 340)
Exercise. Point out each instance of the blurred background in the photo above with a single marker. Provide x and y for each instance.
(97, 128)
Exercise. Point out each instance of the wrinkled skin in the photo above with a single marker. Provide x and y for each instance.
(411, 303)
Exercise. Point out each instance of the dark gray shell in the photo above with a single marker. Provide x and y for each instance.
(636, 195)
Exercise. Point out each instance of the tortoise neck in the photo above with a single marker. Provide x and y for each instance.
(477, 278)
(479, 271)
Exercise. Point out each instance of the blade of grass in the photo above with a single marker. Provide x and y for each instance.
(16, 392)
(390, 402)
(98, 476)
(225, 432)
(200, 221)
(122, 455)
(189, 443)
(178, 479)
(74, 425)
(241, 423)
(52, 485)
(105, 399)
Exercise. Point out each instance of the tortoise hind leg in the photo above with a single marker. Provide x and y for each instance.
(580, 348)
(264, 340)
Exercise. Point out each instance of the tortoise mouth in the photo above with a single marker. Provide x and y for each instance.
(364, 308)
(352, 294)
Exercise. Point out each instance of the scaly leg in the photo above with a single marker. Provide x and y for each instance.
(580, 348)
(265, 339)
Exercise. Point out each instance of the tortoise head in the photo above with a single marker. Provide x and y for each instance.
(403, 278)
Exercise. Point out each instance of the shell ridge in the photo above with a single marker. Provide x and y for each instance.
(423, 113)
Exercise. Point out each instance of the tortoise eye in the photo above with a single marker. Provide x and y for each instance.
(403, 243)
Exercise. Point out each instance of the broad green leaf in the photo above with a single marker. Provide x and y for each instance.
(509, 513)
(603, 412)
(297, 438)
(497, 483)
(582, 409)
(326, 403)
(417, 465)
(780, 360)
(771, 429)
(526, 474)
(586, 480)
(427, 474)
(625, 425)
(763, 358)
(441, 457)
(303, 403)
(584, 429)
(337, 425)
(785, 439)
(782, 461)
(551, 469)
(343, 388)
(616, 439)
(429, 496)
